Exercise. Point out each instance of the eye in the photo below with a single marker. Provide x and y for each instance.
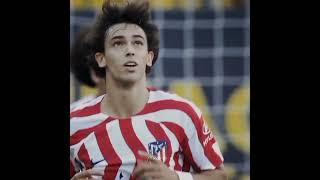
(138, 43)
(117, 43)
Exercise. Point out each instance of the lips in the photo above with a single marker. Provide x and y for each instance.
(130, 64)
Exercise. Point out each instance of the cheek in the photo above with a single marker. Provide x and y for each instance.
(144, 54)
(113, 58)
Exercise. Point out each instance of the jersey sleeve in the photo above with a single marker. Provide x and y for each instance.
(201, 147)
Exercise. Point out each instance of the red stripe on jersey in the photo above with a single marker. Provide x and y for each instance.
(157, 131)
(130, 137)
(177, 166)
(72, 170)
(183, 141)
(87, 111)
(159, 105)
(81, 134)
(152, 88)
(198, 123)
(109, 154)
(84, 157)
(186, 165)
(208, 150)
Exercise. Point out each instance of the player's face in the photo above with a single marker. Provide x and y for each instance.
(126, 52)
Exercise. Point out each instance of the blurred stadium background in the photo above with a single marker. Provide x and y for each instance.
(205, 57)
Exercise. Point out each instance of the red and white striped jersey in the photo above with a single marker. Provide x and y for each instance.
(169, 127)
(81, 101)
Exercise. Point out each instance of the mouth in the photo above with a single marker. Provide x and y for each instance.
(130, 64)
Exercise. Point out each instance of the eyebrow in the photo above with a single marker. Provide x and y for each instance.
(138, 36)
(117, 37)
(121, 37)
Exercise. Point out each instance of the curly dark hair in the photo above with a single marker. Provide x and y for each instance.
(79, 57)
(135, 13)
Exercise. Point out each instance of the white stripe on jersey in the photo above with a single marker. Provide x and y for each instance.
(94, 152)
(78, 123)
(142, 132)
(161, 95)
(174, 145)
(172, 115)
(191, 169)
(74, 150)
(87, 104)
(83, 100)
(158, 96)
(180, 160)
(194, 107)
(202, 161)
(216, 149)
(120, 147)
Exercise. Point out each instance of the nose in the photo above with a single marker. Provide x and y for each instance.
(130, 54)
(130, 51)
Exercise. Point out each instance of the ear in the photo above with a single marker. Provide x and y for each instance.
(150, 58)
(101, 60)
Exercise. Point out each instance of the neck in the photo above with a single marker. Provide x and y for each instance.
(123, 101)
(101, 88)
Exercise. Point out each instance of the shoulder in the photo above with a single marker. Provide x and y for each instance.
(86, 107)
(81, 101)
(171, 100)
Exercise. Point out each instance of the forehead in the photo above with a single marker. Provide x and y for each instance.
(124, 29)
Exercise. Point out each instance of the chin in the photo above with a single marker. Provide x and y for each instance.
(130, 78)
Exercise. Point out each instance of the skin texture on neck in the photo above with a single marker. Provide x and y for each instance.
(101, 88)
(123, 101)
